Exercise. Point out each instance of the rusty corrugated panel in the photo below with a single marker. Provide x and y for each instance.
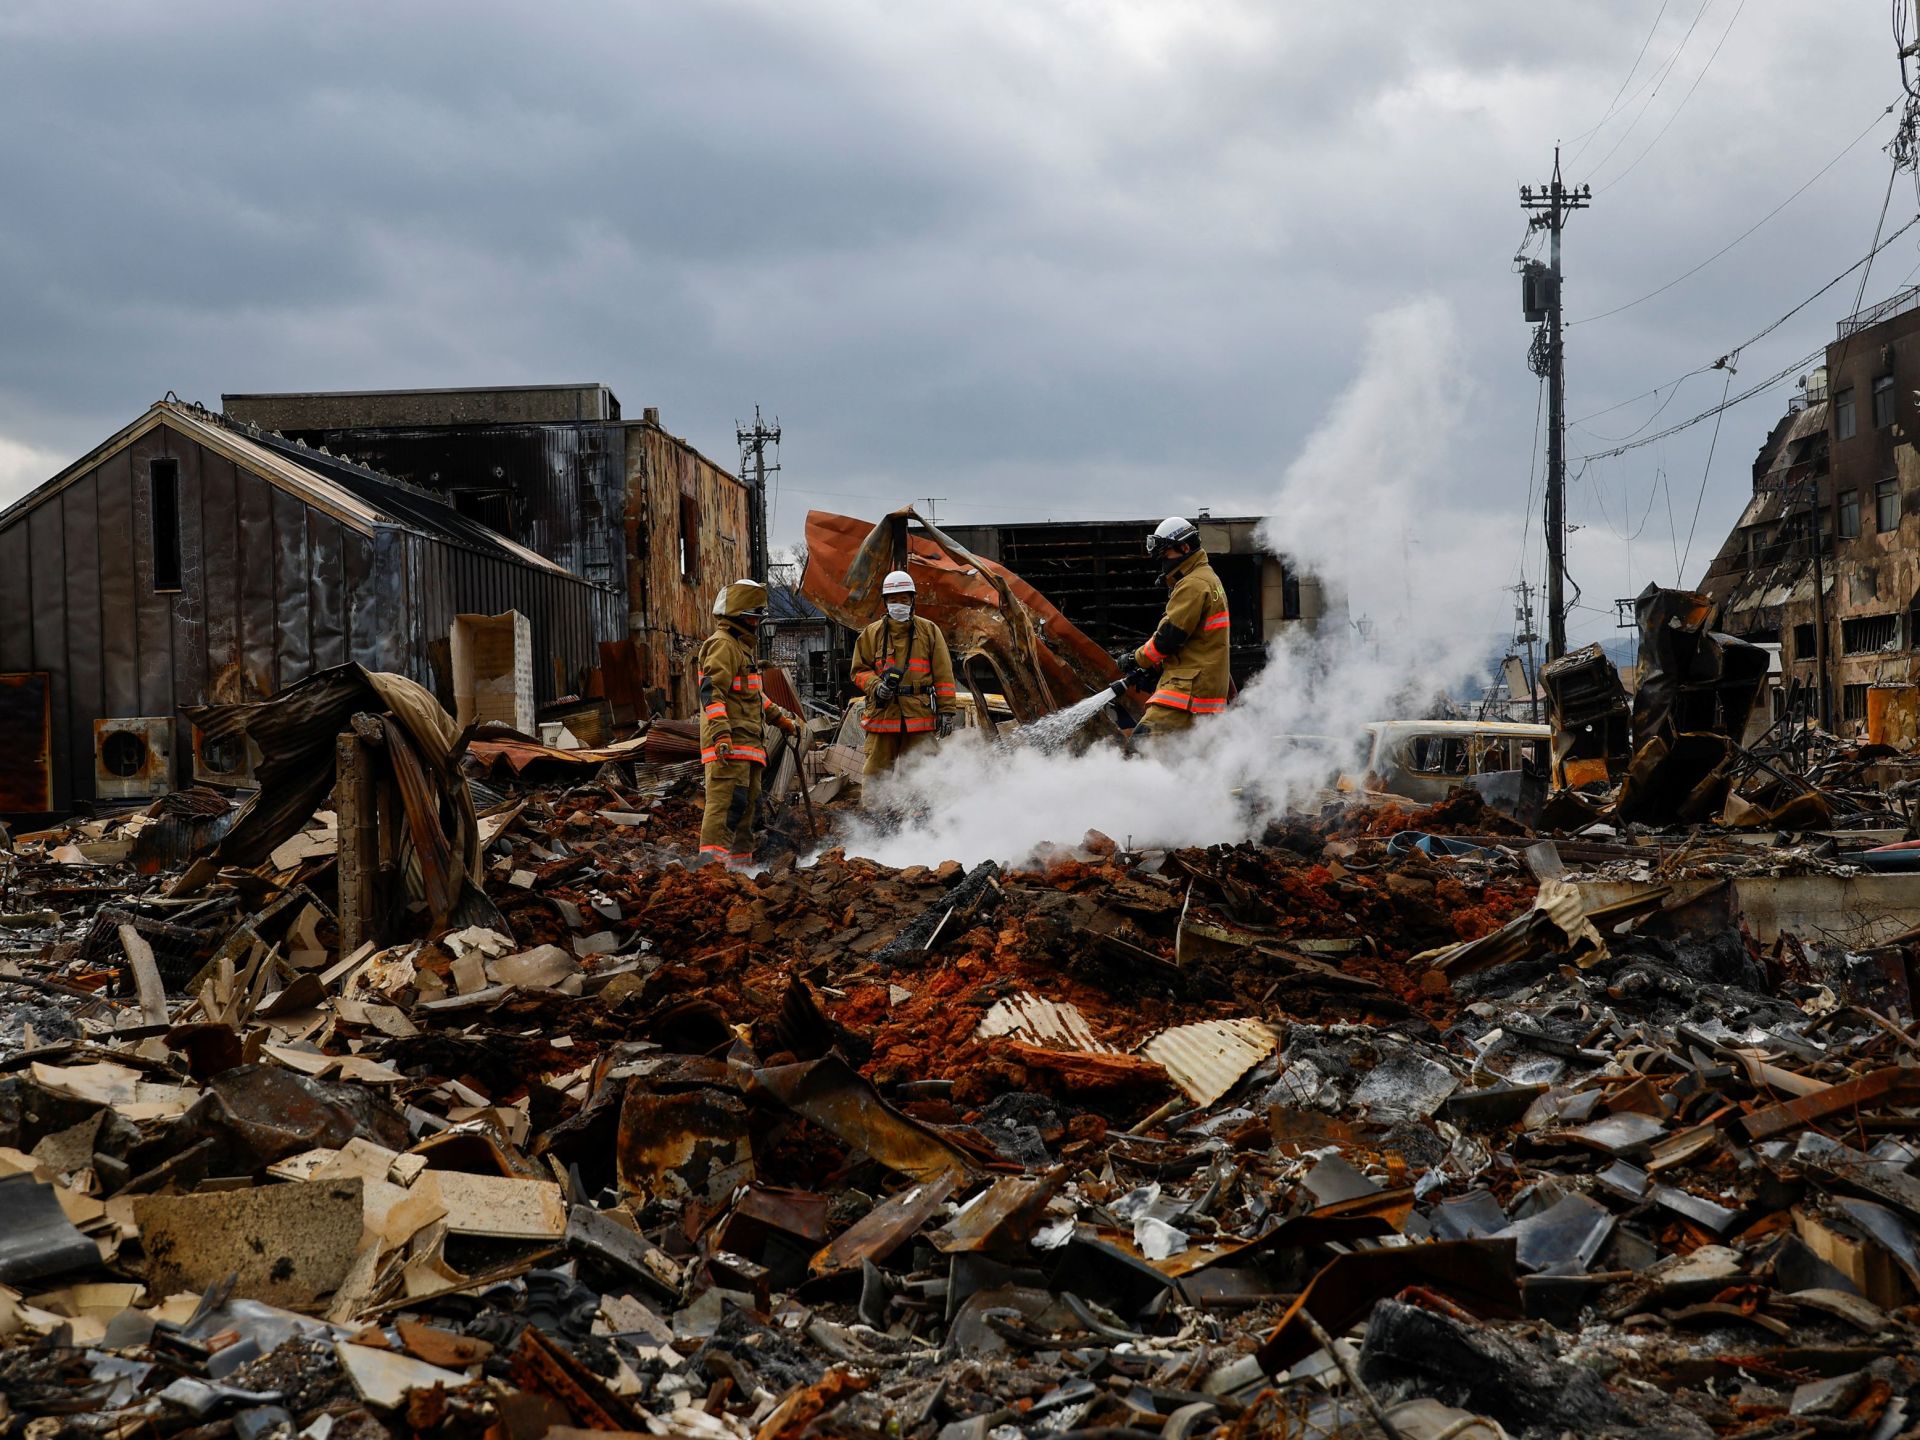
(1208, 1059)
(1049, 1024)
(26, 743)
(1044, 660)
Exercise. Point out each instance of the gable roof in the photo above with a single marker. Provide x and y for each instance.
(357, 497)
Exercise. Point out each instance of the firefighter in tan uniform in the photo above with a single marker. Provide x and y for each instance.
(902, 666)
(734, 714)
(1185, 660)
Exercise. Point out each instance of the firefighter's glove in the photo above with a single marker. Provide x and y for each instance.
(888, 688)
(723, 749)
(943, 726)
(1139, 677)
(785, 721)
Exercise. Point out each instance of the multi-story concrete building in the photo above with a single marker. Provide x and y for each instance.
(1825, 560)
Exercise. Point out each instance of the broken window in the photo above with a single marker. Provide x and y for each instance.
(1853, 702)
(1865, 634)
(163, 510)
(1883, 401)
(1843, 424)
(1849, 514)
(689, 539)
(492, 508)
(1886, 506)
(1804, 644)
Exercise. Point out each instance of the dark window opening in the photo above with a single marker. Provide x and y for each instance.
(492, 508)
(689, 539)
(1853, 702)
(1290, 597)
(1849, 514)
(1843, 423)
(1866, 634)
(163, 497)
(225, 755)
(1804, 643)
(1883, 401)
(123, 753)
(1886, 506)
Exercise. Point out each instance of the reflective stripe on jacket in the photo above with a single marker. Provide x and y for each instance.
(1191, 646)
(732, 702)
(918, 650)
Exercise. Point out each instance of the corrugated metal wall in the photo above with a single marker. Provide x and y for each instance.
(566, 480)
(271, 590)
(433, 580)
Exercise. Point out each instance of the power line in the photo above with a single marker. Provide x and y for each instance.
(1750, 341)
(1708, 414)
(1588, 320)
(1684, 98)
(1700, 499)
(1586, 139)
(1659, 79)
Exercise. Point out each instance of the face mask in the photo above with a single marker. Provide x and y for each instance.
(898, 613)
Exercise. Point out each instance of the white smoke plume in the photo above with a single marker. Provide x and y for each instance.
(1355, 510)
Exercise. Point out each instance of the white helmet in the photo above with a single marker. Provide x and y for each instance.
(898, 582)
(742, 600)
(1170, 531)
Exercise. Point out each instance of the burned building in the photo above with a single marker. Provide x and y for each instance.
(619, 502)
(1825, 560)
(1099, 574)
(806, 642)
(187, 560)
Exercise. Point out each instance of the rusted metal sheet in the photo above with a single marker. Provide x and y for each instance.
(1040, 660)
(886, 1227)
(835, 1097)
(1895, 1085)
(1001, 1217)
(26, 743)
(1048, 1024)
(687, 1146)
(541, 1367)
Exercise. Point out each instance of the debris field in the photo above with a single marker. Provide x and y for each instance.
(1400, 1121)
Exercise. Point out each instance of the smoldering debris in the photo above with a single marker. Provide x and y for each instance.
(1382, 1112)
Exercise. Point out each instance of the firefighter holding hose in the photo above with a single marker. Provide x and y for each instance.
(1185, 660)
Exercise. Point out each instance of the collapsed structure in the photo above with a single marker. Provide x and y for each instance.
(433, 1092)
(423, 1086)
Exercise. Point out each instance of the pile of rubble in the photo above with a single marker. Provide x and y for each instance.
(1401, 1121)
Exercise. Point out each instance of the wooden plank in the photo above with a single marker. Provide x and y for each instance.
(358, 829)
(146, 976)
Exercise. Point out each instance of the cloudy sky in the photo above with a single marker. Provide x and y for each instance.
(1069, 258)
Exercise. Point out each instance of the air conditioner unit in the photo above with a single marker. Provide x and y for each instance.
(132, 758)
(229, 761)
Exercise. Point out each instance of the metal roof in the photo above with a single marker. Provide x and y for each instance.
(352, 494)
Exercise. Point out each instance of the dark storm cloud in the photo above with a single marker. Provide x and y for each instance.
(1036, 257)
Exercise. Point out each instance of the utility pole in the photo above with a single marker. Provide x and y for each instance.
(754, 470)
(1552, 202)
(1523, 613)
